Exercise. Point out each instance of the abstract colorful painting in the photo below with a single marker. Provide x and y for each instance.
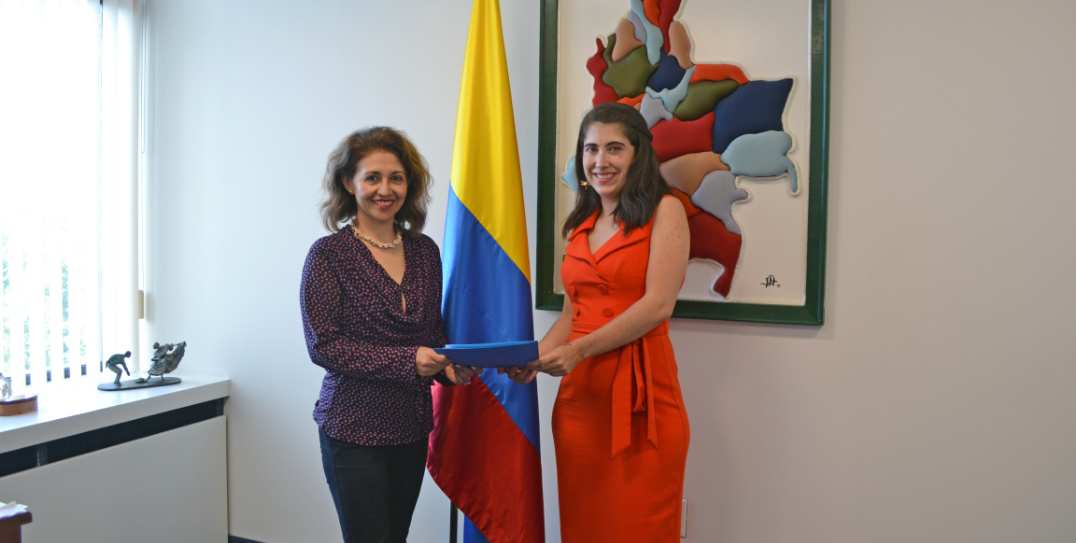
(734, 92)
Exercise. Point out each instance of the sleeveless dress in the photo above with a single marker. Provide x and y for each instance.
(619, 424)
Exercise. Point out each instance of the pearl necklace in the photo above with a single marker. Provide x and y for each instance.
(379, 244)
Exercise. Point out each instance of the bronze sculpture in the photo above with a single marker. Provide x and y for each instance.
(117, 361)
(166, 357)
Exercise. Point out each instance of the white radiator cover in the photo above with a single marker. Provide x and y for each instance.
(168, 487)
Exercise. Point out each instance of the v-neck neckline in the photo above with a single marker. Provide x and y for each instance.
(595, 253)
(621, 238)
(404, 246)
(604, 244)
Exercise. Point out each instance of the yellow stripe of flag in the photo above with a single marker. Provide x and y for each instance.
(485, 158)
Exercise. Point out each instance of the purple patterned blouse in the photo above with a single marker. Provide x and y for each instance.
(356, 329)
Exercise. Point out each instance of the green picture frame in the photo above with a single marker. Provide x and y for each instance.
(812, 311)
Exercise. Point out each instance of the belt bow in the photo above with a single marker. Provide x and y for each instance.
(632, 384)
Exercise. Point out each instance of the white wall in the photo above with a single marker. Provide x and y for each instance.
(934, 405)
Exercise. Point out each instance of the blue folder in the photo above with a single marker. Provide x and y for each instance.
(501, 354)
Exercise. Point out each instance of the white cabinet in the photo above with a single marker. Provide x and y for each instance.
(167, 487)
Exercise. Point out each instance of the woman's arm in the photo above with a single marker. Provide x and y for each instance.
(330, 348)
(670, 242)
(558, 334)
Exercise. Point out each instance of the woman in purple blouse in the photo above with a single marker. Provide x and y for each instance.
(371, 305)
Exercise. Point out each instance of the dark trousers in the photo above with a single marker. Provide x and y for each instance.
(374, 488)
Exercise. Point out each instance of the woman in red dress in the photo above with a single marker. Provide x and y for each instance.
(619, 424)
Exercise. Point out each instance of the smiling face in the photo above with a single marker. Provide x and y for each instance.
(380, 188)
(607, 157)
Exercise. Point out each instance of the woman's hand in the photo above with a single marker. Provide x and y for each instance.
(520, 375)
(428, 363)
(460, 375)
(558, 362)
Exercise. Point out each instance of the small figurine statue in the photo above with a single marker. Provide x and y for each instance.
(165, 359)
(5, 387)
(117, 361)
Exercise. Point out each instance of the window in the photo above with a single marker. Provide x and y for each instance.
(69, 195)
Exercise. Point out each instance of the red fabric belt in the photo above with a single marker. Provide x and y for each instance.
(632, 382)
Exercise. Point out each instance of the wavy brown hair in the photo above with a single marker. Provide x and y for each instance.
(643, 184)
(340, 207)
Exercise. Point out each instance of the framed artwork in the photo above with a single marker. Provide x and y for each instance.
(736, 94)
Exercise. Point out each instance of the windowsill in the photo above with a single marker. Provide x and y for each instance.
(68, 408)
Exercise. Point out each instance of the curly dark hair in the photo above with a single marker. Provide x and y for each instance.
(340, 207)
(643, 184)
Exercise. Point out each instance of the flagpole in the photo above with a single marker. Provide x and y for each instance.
(452, 522)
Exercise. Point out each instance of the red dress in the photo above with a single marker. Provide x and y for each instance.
(619, 424)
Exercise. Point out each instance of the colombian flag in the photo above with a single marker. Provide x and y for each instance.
(484, 446)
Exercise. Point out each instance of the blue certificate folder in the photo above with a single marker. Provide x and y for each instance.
(500, 354)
